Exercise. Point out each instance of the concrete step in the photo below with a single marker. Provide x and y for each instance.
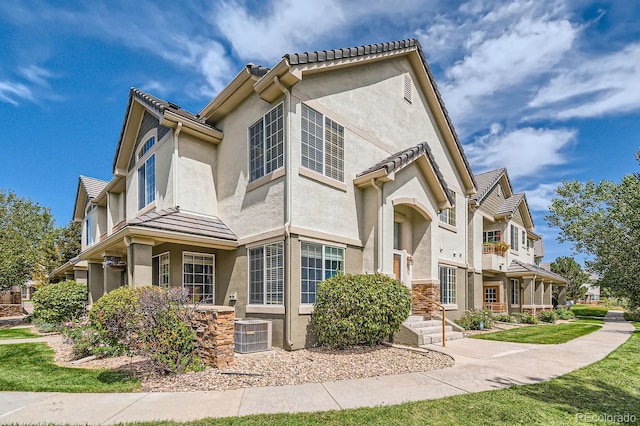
(437, 338)
(414, 318)
(422, 323)
(433, 329)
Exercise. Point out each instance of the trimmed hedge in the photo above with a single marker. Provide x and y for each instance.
(54, 304)
(471, 320)
(353, 310)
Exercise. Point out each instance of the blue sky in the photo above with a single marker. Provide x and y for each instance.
(550, 90)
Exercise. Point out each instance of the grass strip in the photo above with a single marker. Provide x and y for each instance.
(16, 333)
(541, 334)
(589, 311)
(30, 367)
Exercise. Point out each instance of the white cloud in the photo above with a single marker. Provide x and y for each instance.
(12, 92)
(37, 75)
(288, 24)
(524, 152)
(540, 197)
(523, 52)
(595, 87)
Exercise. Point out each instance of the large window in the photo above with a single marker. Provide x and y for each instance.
(491, 236)
(147, 175)
(322, 144)
(88, 225)
(447, 285)
(266, 274)
(163, 270)
(197, 276)
(319, 262)
(515, 292)
(448, 216)
(266, 144)
(514, 237)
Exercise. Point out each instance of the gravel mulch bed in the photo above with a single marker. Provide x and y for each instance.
(275, 368)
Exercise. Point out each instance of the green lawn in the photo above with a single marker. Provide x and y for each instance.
(589, 310)
(590, 320)
(17, 333)
(607, 387)
(30, 367)
(545, 334)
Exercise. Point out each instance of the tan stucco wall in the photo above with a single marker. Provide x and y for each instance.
(95, 277)
(196, 176)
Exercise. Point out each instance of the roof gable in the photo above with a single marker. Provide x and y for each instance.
(420, 154)
(88, 189)
(168, 114)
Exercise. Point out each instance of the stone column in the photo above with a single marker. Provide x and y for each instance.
(527, 293)
(539, 294)
(562, 296)
(95, 281)
(214, 327)
(547, 299)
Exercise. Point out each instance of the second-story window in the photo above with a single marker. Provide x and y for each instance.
(266, 144)
(448, 216)
(147, 174)
(491, 236)
(89, 234)
(322, 144)
(514, 237)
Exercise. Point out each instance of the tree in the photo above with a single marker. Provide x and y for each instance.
(25, 227)
(568, 268)
(603, 221)
(67, 242)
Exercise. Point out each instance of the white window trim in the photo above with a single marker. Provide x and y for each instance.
(141, 161)
(88, 219)
(323, 246)
(266, 177)
(254, 306)
(451, 214)
(322, 177)
(455, 285)
(159, 256)
(213, 275)
(511, 282)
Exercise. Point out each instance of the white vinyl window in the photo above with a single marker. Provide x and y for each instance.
(88, 225)
(198, 276)
(491, 236)
(448, 285)
(515, 292)
(514, 237)
(266, 144)
(147, 175)
(448, 216)
(318, 262)
(163, 270)
(322, 144)
(266, 274)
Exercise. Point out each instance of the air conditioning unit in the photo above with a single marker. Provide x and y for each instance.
(252, 336)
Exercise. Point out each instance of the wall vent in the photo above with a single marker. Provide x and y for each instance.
(252, 336)
(408, 88)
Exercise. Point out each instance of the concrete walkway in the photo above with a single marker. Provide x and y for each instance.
(480, 365)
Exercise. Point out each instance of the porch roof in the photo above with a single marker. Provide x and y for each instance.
(174, 220)
(519, 268)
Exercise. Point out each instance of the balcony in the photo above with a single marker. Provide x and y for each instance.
(494, 257)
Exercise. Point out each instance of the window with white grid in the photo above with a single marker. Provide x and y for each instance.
(266, 274)
(163, 270)
(318, 262)
(197, 276)
(322, 144)
(515, 292)
(448, 216)
(266, 144)
(447, 285)
(514, 237)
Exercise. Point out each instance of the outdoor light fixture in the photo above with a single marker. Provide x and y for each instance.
(114, 262)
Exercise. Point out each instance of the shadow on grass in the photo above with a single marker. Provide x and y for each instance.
(115, 376)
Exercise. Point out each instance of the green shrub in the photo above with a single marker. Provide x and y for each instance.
(166, 335)
(503, 318)
(547, 316)
(359, 309)
(54, 304)
(116, 317)
(632, 315)
(525, 318)
(564, 314)
(475, 320)
(85, 340)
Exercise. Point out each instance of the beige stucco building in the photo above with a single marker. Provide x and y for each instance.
(338, 160)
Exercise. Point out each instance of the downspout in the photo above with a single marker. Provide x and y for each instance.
(533, 295)
(466, 252)
(380, 221)
(176, 167)
(287, 224)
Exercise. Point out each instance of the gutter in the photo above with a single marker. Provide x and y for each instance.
(176, 166)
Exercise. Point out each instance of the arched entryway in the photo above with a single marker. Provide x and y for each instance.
(411, 241)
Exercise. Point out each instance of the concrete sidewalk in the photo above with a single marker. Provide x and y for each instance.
(480, 365)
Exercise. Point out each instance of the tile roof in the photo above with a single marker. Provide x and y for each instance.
(174, 220)
(92, 186)
(510, 205)
(258, 70)
(400, 159)
(161, 106)
(485, 182)
(517, 266)
(369, 49)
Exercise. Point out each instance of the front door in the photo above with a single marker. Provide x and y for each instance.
(397, 266)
